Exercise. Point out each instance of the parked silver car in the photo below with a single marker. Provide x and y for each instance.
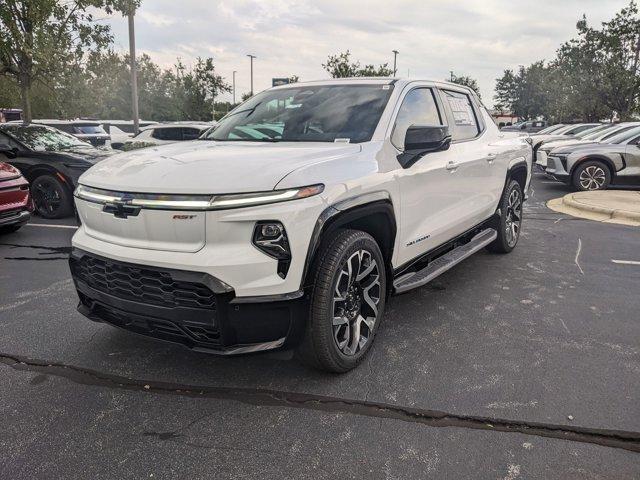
(596, 166)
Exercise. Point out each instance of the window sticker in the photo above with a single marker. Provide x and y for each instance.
(462, 113)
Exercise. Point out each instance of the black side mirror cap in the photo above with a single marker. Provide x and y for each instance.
(8, 151)
(422, 139)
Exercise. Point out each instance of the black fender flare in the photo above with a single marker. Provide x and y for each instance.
(348, 211)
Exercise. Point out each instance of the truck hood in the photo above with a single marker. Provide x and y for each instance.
(208, 167)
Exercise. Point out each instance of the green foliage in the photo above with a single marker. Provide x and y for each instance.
(340, 66)
(466, 81)
(100, 88)
(40, 39)
(593, 75)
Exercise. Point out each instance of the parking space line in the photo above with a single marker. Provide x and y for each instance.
(48, 225)
(578, 255)
(626, 262)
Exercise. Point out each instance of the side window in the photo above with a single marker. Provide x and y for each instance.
(418, 108)
(190, 133)
(171, 134)
(464, 117)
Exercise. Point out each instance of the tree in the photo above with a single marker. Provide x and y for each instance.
(466, 81)
(593, 75)
(340, 66)
(39, 39)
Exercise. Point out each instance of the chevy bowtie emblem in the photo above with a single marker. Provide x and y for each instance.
(121, 208)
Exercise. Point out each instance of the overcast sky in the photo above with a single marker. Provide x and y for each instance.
(479, 38)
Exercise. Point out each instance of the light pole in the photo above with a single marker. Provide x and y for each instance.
(134, 76)
(234, 87)
(395, 56)
(251, 57)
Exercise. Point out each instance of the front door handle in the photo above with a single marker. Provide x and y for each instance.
(452, 166)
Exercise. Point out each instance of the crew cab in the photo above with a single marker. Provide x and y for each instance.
(292, 221)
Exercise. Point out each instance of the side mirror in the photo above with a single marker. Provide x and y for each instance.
(523, 127)
(422, 139)
(8, 151)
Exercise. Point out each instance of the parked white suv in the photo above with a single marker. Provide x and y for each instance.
(292, 221)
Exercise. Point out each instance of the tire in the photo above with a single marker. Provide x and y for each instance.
(510, 222)
(10, 229)
(356, 303)
(51, 197)
(591, 175)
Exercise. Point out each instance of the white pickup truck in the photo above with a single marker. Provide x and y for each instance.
(292, 222)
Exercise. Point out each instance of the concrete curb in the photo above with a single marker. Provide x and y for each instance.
(604, 206)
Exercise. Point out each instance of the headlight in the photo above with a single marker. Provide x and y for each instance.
(270, 237)
(195, 202)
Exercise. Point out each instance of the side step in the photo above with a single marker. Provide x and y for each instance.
(445, 262)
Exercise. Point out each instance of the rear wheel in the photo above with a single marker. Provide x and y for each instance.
(347, 302)
(510, 221)
(50, 197)
(591, 175)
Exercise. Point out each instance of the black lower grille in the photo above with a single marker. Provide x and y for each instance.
(191, 334)
(141, 284)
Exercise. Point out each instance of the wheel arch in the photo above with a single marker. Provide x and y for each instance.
(519, 172)
(375, 216)
(599, 158)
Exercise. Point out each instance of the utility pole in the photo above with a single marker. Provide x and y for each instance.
(134, 73)
(251, 57)
(395, 56)
(234, 87)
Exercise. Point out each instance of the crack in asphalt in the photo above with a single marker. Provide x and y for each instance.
(40, 247)
(627, 440)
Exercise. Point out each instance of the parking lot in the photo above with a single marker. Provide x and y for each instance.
(517, 366)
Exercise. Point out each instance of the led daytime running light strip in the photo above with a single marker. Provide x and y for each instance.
(194, 202)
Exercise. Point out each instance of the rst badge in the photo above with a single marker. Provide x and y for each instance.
(184, 217)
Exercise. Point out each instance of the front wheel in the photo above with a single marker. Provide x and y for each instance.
(591, 175)
(50, 197)
(510, 221)
(347, 302)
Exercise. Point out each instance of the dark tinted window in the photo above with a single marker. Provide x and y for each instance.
(42, 138)
(190, 133)
(170, 134)
(465, 122)
(89, 129)
(418, 108)
(324, 113)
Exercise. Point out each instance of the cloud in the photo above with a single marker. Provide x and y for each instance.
(479, 38)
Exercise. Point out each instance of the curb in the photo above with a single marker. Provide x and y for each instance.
(572, 202)
(575, 204)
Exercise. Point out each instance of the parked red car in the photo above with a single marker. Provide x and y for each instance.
(15, 202)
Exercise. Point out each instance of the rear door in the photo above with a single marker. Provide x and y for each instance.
(479, 177)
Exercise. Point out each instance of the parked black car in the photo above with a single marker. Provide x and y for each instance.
(51, 160)
(89, 131)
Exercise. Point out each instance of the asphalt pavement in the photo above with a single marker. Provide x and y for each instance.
(514, 366)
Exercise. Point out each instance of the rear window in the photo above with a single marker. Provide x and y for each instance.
(170, 134)
(465, 124)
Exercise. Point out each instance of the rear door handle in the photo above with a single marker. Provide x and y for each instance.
(452, 166)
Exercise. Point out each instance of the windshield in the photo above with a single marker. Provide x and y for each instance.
(43, 139)
(550, 129)
(324, 113)
(594, 133)
(89, 129)
(624, 136)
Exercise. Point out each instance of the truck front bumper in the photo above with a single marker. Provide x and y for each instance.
(193, 309)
